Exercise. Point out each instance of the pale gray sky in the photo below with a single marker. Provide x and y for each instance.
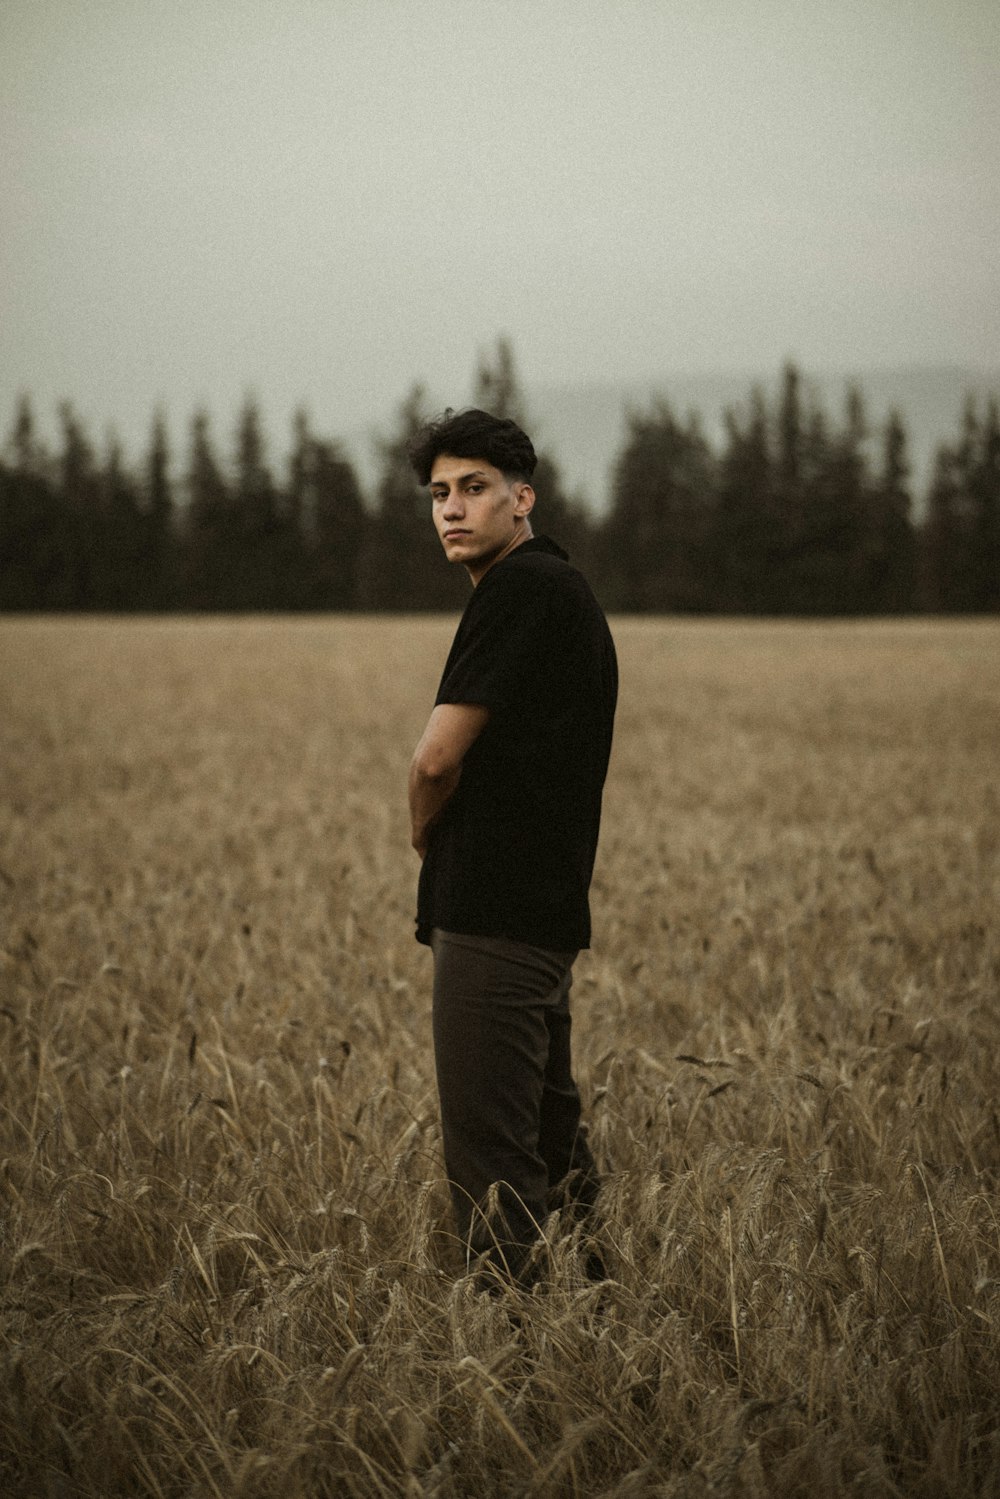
(324, 200)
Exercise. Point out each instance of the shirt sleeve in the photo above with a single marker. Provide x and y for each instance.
(495, 653)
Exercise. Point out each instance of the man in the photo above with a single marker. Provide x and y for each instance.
(505, 803)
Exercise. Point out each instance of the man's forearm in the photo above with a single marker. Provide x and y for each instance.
(437, 764)
(429, 795)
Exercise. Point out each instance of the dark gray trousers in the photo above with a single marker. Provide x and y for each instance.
(510, 1110)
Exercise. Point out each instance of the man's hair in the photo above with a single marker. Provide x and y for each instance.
(474, 434)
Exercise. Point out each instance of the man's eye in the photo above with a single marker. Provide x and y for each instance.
(475, 489)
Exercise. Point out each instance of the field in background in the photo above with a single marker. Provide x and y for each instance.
(224, 1257)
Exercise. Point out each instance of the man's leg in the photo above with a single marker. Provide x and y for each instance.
(562, 1141)
(491, 1047)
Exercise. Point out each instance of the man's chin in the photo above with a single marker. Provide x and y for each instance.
(457, 551)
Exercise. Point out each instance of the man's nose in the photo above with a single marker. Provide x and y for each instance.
(454, 508)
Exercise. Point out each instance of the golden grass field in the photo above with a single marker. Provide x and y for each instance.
(225, 1263)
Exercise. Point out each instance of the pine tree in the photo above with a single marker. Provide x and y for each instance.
(253, 489)
(403, 566)
(25, 449)
(159, 586)
(789, 445)
(959, 534)
(257, 574)
(79, 493)
(339, 528)
(656, 542)
(120, 555)
(859, 538)
(743, 536)
(208, 537)
(893, 548)
(497, 390)
(33, 540)
(988, 497)
(297, 489)
(827, 573)
(787, 584)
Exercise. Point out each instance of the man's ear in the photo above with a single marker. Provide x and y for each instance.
(524, 500)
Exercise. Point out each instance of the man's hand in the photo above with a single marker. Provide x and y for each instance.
(437, 764)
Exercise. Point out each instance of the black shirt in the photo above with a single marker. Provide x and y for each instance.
(513, 853)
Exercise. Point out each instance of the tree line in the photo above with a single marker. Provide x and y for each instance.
(790, 513)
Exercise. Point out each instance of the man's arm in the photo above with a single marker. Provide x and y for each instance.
(437, 764)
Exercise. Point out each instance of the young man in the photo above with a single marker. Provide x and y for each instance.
(505, 803)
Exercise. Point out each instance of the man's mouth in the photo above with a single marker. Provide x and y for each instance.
(455, 535)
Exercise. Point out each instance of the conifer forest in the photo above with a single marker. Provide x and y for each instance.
(794, 512)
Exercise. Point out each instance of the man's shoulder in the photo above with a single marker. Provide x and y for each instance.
(540, 551)
(535, 583)
(537, 562)
(549, 573)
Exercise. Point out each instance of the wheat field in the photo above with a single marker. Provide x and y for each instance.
(225, 1255)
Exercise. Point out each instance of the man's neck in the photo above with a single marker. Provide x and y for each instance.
(522, 534)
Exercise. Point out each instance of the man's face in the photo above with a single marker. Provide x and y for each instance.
(480, 515)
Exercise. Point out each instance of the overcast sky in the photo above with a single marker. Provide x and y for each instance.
(324, 200)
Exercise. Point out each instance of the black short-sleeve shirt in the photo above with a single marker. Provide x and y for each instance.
(513, 853)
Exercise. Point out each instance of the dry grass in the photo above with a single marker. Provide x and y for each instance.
(224, 1257)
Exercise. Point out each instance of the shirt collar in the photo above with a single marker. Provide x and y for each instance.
(541, 544)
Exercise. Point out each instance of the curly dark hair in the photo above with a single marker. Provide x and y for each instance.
(474, 434)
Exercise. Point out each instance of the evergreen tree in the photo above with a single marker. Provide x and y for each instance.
(965, 512)
(120, 555)
(339, 528)
(254, 489)
(787, 582)
(208, 538)
(988, 500)
(297, 490)
(159, 586)
(32, 543)
(403, 566)
(892, 554)
(856, 530)
(560, 515)
(80, 499)
(939, 535)
(743, 539)
(959, 545)
(258, 573)
(825, 565)
(960, 540)
(497, 390)
(656, 543)
(27, 452)
(790, 428)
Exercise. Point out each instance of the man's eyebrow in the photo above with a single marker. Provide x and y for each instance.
(475, 473)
